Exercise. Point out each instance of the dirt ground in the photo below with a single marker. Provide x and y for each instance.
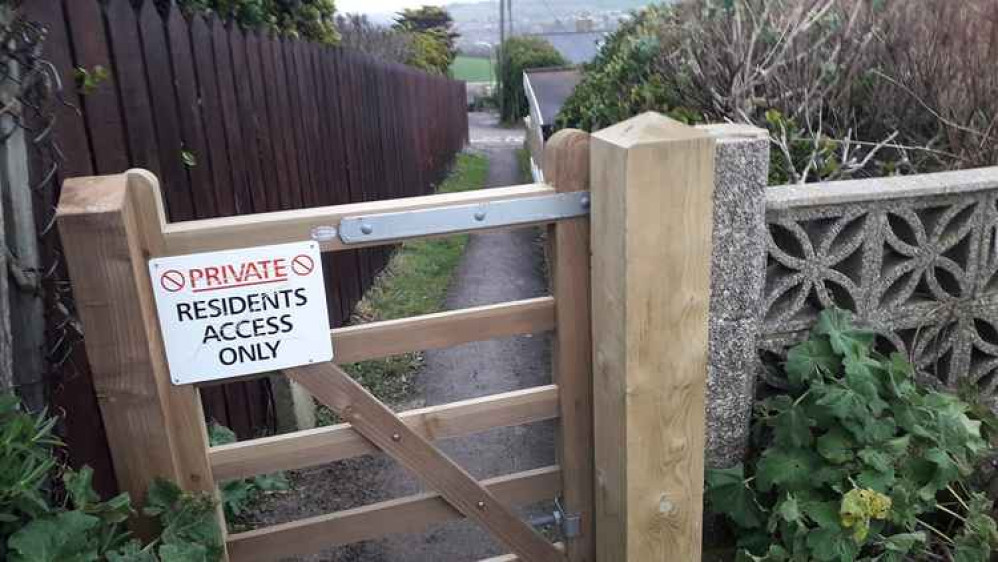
(496, 267)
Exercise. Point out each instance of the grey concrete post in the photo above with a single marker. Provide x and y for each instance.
(737, 276)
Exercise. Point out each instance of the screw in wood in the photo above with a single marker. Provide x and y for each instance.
(396, 437)
(481, 505)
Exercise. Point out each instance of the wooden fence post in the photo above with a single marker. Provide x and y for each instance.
(652, 189)
(110, 227)
(566, 167)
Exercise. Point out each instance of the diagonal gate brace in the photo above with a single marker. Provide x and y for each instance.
(375, 421)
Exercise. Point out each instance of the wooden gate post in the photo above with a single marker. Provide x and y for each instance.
(566, 167)
(110, 227)
(652, 189)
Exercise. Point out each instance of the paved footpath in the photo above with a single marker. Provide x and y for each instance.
(496, 267)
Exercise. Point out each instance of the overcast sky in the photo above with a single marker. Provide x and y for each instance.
(379, 6)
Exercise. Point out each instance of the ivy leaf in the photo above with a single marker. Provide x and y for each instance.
(844, 403)
(791, 469)
(789, 509)
(807, 360)
(880, 481)
(161, 496)
(792, 428)
(824, 514)
(183, 552)
(935, 470)
(877, 460)
(728, 494)
(903, 542)
(844, 338)
(860, 379)
(828, 545)
(79, 487)
(66, 537)
(897, 447)
(835, 446)
(132, 552)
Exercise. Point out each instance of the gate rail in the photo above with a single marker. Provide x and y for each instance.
(112, 225)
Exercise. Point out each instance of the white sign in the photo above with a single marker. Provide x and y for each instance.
(233, 313)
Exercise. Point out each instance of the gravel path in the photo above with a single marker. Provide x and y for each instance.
(496, 267)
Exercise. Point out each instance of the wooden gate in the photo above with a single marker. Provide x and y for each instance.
(649, 402)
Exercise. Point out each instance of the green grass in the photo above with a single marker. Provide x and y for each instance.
(415, 282)
(471, 69)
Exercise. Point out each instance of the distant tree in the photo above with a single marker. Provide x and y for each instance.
(516, 55)
(358, 33)
(311, 19)
(437, 26)
(425, 19)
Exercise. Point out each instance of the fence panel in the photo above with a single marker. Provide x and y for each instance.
(235, 121)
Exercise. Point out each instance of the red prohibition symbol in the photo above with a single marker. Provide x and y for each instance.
(302, 265)
(172, 280)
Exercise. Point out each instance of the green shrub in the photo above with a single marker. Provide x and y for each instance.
(846, 88)
(238, 495)
(429, 52)
(516, 55)
(858, 461)
(311, 19)
(433, 37)
(79, 527)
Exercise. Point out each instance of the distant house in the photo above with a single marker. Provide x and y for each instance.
(546, 90)
(578, 47)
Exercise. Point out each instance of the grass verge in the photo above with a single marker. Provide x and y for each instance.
(471, 69)
(415, 282)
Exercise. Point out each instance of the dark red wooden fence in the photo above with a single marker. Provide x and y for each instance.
(235, 122)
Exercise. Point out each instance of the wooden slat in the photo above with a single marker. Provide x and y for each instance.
(130, 78)
(403, 515)
(333, 387)
(230, 118)
(162, 92)
(443, 329)
(566, 167)
(189, 113)
(294, 226)
(327, 444)
(216, 155)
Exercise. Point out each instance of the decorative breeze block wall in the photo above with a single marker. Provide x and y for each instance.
(913, 257)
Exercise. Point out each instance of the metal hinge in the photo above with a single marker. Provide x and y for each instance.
(569, 524)
(445, 220)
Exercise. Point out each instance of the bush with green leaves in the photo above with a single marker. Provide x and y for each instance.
(516, 55)
(846, 88)
(431, 29)
(856, 460)
(79, 527)
(311, 19)
(240, 494)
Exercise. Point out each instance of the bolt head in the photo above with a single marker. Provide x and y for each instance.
(480, 216)
(585, 202)
(366, 228)
(396, 437)
(481, 505)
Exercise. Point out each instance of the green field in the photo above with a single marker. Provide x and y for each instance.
(471, 69)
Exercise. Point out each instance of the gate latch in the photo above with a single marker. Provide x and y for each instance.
(570, 524)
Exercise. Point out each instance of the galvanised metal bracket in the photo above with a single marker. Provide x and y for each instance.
(570, 524)
(446, 220)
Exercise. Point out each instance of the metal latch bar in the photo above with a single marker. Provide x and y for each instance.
(446, 220)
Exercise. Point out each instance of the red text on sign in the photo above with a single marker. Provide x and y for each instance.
(231, 275)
